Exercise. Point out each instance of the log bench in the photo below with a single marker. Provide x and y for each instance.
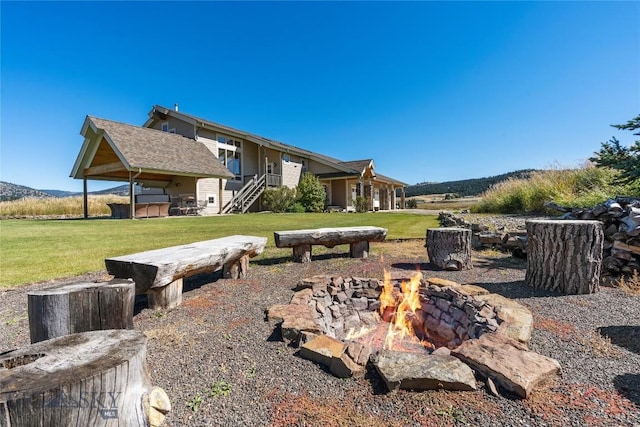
(302, 240)
(159, 273)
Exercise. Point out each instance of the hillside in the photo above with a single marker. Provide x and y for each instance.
(9, 191)
(463, 188)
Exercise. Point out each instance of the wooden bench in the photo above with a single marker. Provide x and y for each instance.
(302, 240)
(159, 273)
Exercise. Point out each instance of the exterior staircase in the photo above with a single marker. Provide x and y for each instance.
(243, 200)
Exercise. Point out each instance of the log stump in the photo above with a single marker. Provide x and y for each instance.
(449, 248)
(80, 307)
(564, 256)
(97, 378)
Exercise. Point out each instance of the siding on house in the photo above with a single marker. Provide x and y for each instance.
(261, 155)
(291, 174)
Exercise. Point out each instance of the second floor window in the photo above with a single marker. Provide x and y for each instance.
(230, 155)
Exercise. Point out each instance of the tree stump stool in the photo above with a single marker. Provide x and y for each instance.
(449, 248)
(97, 378)
(564, 256)
(80, 307)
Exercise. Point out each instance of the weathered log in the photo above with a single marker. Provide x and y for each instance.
(449, 248)
(156, 269)
(97, 378)
(329, 237)
(564, 256)
(80, 307)
(302, 240)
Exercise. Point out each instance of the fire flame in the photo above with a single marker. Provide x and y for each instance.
(399, 308)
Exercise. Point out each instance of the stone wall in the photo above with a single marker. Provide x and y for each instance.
(447, 316)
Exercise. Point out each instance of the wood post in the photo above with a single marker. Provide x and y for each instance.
(97, 378)
(564, 256)
(169, 296)
(237, 269)
(302, 253)
(449, 248)
(80, 307)
(359, 249)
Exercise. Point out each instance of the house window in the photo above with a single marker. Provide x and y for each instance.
(230, 155)
(165, 128)
(286, 158)
(211, 199)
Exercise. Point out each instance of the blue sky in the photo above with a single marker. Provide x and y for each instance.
(432, 91)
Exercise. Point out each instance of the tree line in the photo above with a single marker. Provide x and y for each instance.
(463, 188)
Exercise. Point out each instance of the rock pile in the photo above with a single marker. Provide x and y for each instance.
(325, 309)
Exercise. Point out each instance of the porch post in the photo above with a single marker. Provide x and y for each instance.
(132, 198)
(393, 197)
(219, 195)
(85, 199)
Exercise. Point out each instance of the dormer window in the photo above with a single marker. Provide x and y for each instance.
(165, 128)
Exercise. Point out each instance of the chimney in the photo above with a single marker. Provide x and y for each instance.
(175, 107)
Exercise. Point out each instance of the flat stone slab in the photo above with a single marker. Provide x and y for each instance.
(295, 319)
(323, 349)
(517, 320)
(423, 371)
(508, 363)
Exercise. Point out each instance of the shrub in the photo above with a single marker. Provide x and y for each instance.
(311, 194)
(412, 203)
(362, 204)
(281, 199)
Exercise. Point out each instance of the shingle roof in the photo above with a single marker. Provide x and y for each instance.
(358, 165)
(165, 152)
(348, 168)
(247, 135)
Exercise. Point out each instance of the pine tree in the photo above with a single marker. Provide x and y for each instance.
(614, 155)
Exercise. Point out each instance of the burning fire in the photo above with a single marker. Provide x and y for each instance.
(397, 309)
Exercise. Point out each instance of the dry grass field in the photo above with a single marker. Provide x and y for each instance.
(438, 202)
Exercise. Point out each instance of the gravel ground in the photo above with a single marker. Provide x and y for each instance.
(217, 345)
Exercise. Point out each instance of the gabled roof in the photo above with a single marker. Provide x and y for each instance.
(359, 165)
(163, 112)
(345, 169)
(112, 149)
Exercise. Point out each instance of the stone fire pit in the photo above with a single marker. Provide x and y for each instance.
(458, 331)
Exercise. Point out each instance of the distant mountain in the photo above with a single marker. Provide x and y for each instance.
(9, 191)
(467, 187)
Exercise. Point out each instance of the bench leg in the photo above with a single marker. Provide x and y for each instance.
(359, 249)
(236, 270)
(302, 253)
(169, 296)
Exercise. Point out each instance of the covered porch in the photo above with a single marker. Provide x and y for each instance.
(114, 151)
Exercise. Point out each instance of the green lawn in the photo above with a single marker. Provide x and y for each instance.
(37, 250)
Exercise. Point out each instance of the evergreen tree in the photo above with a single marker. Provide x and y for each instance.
(625, 159)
